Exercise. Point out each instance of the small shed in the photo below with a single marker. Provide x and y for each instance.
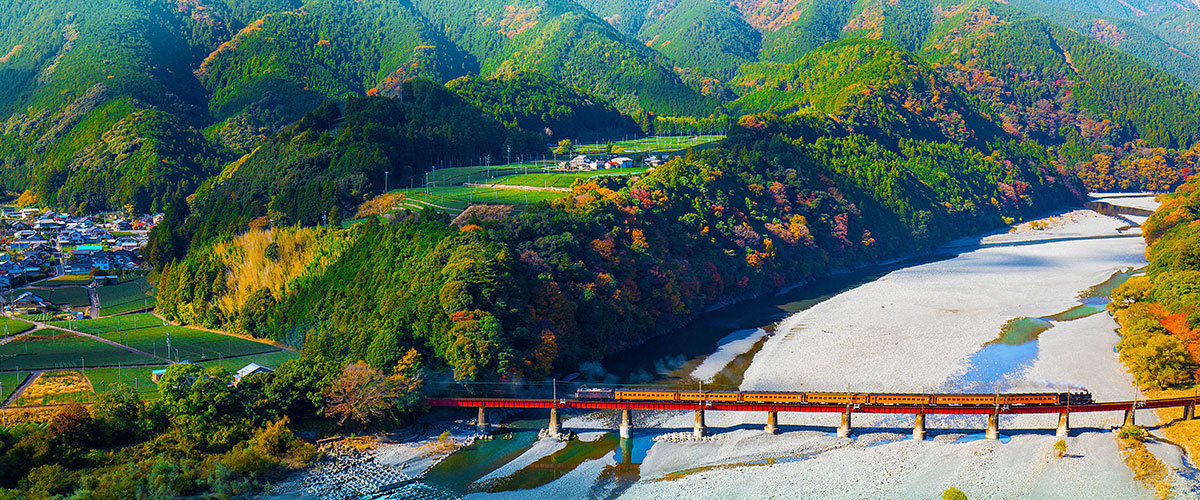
(249, 370)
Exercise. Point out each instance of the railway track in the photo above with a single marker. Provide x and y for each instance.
(813, 408)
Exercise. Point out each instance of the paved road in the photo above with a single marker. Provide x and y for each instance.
(94, 297)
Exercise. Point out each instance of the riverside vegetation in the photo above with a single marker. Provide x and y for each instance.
(854, 133)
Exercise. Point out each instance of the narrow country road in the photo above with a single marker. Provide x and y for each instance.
(33, 375)
(94, 297)
(101, 339)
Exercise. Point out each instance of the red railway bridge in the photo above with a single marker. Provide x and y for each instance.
(993, 412)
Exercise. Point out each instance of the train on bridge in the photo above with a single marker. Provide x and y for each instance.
(841, 398)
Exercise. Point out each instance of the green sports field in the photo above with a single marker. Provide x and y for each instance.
(457, 198)
(563, 179)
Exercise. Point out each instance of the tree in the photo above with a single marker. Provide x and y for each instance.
(117, 414)
(565, 148)
(202, 395)
(72, 425)
(384, 350)
(361, 394)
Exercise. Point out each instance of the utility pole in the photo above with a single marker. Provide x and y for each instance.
(385, 181)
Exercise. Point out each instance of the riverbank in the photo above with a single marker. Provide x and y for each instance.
(927, 328)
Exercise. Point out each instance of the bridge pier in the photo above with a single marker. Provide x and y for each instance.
(993, 427)
(626, 423)
(844, 429)
(1130, 417)
(919, 428)
(1189, 412)
(481, 422)
(699, 429)
(554, 426)
(772, 422)
(1064, 425)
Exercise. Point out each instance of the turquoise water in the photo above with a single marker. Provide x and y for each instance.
(1016, 348)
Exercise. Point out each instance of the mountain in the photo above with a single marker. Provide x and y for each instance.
(874, 85)
(536, 102)
(560, 39)
(1162, 39)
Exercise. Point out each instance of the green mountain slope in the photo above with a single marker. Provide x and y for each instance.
(703, 34)
(560, 39)
(1140, 38)
(874, 85)
(536, 102)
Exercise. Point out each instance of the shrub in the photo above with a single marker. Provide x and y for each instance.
(953, 493)
(1060, 448)
(1132, 433)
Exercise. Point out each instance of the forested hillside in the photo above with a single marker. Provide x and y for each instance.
(785, 198)
(1153, 42)
(1160, 312)
(331, 161)
(536, 102)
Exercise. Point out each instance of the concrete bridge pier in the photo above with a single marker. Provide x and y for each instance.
(1130, 417)
(626, 423)
(699, 429)
(844, 429)
(554, 426)
(772, 422)
(481, 422)
(993, 427)
(919, 428)
(1189, 412)
(1064, 425)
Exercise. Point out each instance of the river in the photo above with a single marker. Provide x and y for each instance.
(1016, 310)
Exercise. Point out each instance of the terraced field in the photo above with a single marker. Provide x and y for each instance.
(58, 350)
(124, 297)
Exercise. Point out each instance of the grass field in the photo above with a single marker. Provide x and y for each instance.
(124, 297)
(563, 179)
(270, 360)
(74, 296)
(10, 381)
(105, 325)
(70, 279)
(480, 173)
(64, 351)
(651, 145)
(13, 326)
(146, 332)
(137, 377)
(458, 198)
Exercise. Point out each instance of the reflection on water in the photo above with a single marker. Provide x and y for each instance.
(1016, 348)
(553, 466)
(458, 471)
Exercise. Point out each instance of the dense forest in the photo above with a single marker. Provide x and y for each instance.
(785, 198)
(131, 105)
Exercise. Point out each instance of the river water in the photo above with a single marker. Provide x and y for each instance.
(1022, 310)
